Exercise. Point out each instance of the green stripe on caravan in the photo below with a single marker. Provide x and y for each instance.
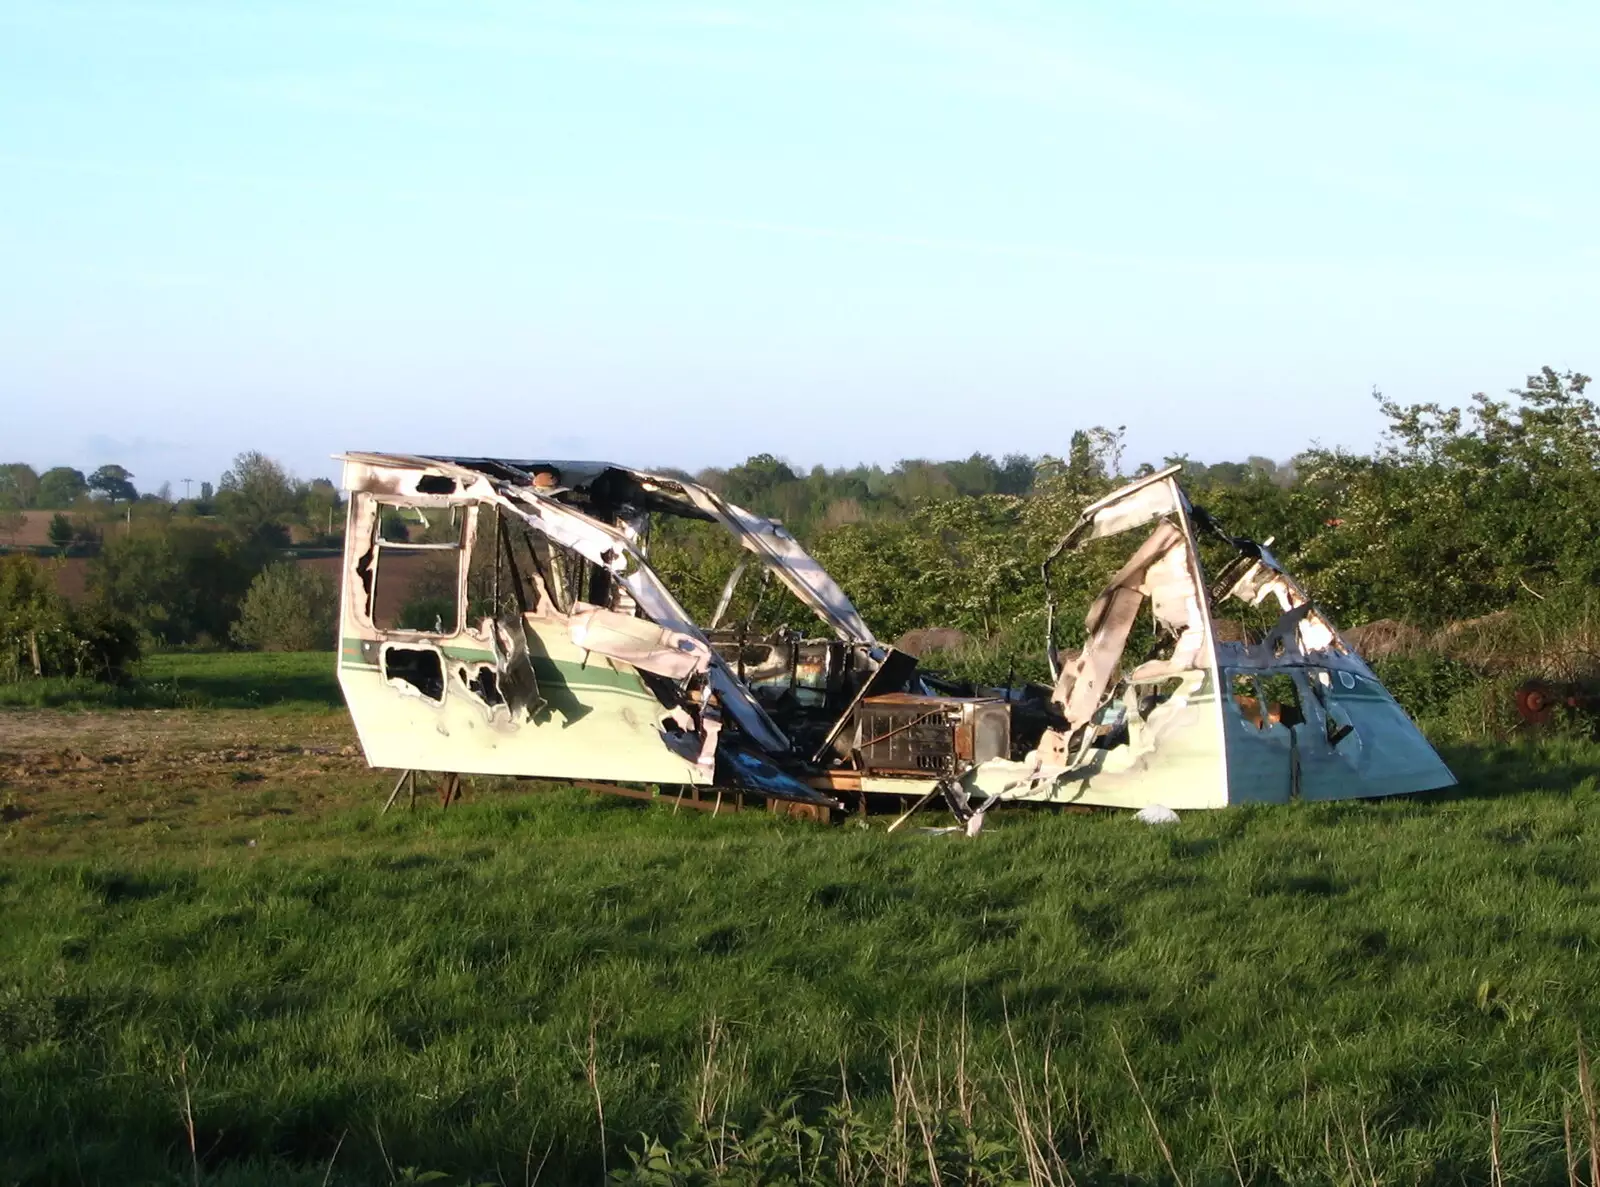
(572, 673)
(471, 655)
(593, 675)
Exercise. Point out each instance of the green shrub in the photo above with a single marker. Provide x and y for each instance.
(42, 636)
(61, 531)
(431, 613)
(180, 584)
(1425, 682)
(288, 608)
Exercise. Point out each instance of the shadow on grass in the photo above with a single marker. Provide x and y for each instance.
(1491, 770)
(248, 680)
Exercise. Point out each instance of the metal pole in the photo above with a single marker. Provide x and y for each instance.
(395, 794)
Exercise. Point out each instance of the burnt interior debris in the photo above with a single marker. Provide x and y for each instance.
(483, 683)
(422, 668)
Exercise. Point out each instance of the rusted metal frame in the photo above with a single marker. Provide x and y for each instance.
(820, 813)
(900, 729)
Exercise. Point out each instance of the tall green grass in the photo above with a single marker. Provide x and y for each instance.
(1380, 992)
(281, 681)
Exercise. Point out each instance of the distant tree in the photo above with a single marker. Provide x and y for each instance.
(322, 507)
(1264, 466)
(12, 521)
(1193, 471)
(880, 565)
(61, 487)
(257, 498)
(207, 492)
(61, 531)
(711, 477)
(19, 486)
(1016, 474)
(394, 525)
(288, 608)
(1082, 464)
(1226, 473)
(918, 479)
(974, 476)
(32, 615)
(181, 582)
(114, 483)
(746, 483)
(164, 492)
(841, 512)
(1258, 507)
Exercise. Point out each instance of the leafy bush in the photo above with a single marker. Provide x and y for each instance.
(1425, 682)
(180, 584)
(288, 608)
(42, 636)
(1461, 511)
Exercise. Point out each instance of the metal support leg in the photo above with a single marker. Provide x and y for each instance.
(398, 784)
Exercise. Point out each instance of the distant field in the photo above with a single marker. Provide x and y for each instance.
(33, 531)
(71, 574)
(207, 921)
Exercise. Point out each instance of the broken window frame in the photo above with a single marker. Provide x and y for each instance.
(1153, 499)
(368, 508)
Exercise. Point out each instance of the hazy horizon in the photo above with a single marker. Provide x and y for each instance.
(684, 234)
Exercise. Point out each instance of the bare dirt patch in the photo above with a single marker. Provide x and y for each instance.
(159, 776)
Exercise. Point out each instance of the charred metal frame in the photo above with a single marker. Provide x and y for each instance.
(598, 673)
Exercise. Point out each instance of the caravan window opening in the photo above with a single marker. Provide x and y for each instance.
(414, 588)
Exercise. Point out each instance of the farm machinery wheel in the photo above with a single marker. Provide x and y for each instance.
(1536, 702)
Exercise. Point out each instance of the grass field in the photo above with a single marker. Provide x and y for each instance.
(285, 682)
(219, 964)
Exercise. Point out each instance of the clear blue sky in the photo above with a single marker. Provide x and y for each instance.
(679, 234)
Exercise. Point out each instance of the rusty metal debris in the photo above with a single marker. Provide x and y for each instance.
(563, 654)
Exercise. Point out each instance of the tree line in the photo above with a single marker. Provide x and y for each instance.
(164, 572)
(1455, 513)
(255, 498)
(1452, 515)
(815, 501)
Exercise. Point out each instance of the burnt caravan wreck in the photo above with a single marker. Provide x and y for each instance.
(562, 654)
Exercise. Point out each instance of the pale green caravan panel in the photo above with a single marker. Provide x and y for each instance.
(1173, 757)
(1381, 753)
(600, 721)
